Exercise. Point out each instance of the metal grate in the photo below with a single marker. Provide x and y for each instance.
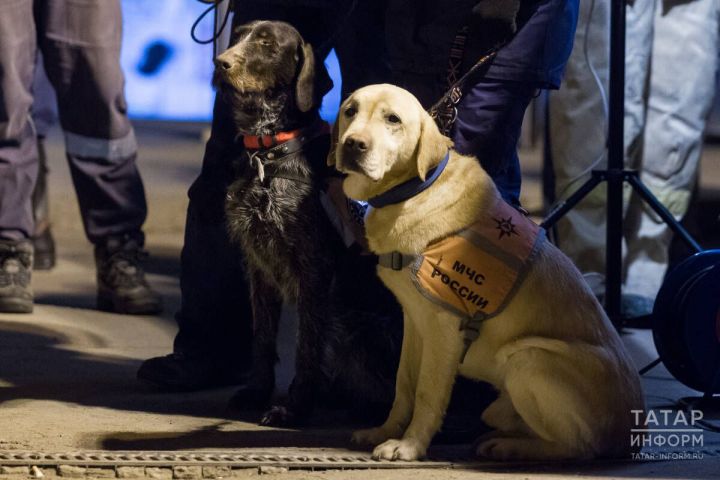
(439, 458)
(245, 459)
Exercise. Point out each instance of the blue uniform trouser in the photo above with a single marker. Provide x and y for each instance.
(80, 43)
(488, 126)
(490, 114)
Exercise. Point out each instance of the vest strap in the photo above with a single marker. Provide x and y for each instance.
(395, 260)
(470, 327)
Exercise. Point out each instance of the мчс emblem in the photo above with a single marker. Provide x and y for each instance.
(506, 227)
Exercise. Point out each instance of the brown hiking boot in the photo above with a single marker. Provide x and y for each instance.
(16, 259)
(122, 287)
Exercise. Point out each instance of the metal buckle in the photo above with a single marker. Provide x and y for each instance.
(396, 261)
(455, 95)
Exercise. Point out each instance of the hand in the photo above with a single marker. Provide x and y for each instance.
(504, 11)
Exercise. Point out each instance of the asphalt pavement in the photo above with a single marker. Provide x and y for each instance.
(69, 397)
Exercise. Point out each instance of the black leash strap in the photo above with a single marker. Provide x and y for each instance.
(456, 53)
(444, 111)
(216, 31)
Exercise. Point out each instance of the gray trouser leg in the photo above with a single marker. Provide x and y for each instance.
(578, 142)
(80, 43)
(677, 98)
(18, 153)
(44, 115)
(81, 47)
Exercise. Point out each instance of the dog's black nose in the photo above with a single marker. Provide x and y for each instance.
(222, 63)
(357, 143)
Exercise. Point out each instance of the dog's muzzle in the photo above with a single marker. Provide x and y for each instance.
(355, 150)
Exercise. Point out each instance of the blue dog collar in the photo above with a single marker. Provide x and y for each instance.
(409, 189)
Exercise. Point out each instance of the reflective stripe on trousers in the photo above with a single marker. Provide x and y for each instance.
(80, 43)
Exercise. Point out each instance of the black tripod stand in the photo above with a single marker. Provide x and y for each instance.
(615, 175)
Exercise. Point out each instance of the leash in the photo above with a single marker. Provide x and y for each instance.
(215, 5)
(444, 111)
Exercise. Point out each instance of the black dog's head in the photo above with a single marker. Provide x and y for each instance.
(270, 77)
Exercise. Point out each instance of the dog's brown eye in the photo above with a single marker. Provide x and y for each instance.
(392, 118)
(350, 111)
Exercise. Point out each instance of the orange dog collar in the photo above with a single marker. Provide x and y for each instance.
(257, 142)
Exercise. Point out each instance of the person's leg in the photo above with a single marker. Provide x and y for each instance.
(639, 35)
(44, 114)
(488, 126)
(18, 154)
(639, 40)
(213, 343)
(81, 49)
(578, 137)
(681, 89)
(577, 141)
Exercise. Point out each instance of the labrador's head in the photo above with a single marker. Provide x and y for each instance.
(384, 137)
(269, 73)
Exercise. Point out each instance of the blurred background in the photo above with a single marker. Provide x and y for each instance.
(168, 86)
(168, 83)
(163, 64)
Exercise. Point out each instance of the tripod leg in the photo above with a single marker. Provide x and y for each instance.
(633, 179)
(566, 205)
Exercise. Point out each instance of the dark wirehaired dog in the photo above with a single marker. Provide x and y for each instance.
(350, 326)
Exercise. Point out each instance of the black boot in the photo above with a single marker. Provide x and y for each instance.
(188, 373)
(16, 260)
(122, 287)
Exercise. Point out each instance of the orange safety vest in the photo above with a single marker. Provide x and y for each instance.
(475, 272)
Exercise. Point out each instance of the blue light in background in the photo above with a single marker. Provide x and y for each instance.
(331, 101)
(167, 75)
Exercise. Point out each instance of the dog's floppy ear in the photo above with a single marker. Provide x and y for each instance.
(313, 80)
(432, 146)
(333, 143)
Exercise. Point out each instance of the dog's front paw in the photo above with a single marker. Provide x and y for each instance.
(279, 416)
(405, 449)
(370, 436)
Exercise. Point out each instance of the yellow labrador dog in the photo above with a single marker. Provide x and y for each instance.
(566, 385)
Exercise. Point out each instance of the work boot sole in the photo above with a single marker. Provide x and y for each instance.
(107, 303)
(16, 305)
